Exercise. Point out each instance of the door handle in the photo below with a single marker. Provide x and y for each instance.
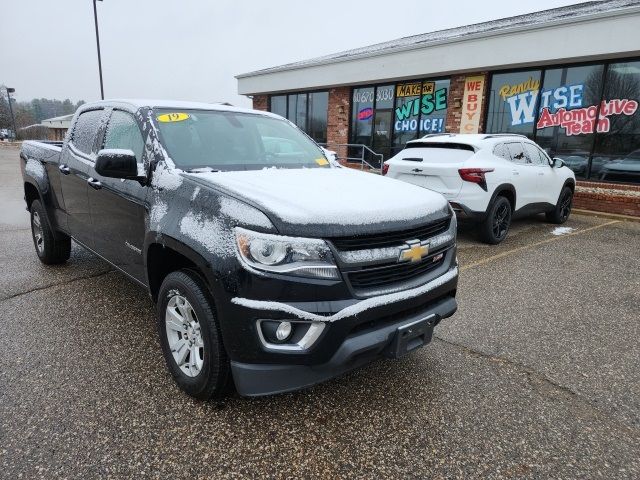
(64, 169)
(93, 183)
(515, 172)
(540, 173)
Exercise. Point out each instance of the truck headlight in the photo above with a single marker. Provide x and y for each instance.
(303, 257)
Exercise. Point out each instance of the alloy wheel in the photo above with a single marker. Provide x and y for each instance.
(184, 335)
(501, 221)
(565, 205)
(36, 226)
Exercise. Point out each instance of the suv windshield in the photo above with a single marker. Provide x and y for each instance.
(224, 140)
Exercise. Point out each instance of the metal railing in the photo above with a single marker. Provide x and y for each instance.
(363, 149)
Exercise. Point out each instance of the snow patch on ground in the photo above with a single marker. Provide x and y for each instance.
(196, 191)
(351, 310)
(562, 230)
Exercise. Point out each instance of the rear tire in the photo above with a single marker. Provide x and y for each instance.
(51, 247)
(562, 210)
(190, 336)
(495, 227)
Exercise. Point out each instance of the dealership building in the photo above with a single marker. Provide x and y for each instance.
(568, 78)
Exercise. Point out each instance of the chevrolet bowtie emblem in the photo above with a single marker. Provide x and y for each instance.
(414, 251)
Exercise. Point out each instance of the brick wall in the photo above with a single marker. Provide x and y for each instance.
(454, 102)
(608, 197)
(261, 102)
(338, 119)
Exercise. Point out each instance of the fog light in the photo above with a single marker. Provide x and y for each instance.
(283, 331)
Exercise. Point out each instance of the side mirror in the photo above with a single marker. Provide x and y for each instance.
(117, 163)
(557, 162)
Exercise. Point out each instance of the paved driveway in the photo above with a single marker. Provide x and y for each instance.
(536, 376)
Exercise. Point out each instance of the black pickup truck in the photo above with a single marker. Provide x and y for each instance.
(267, 263)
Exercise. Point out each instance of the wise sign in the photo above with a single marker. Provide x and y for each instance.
(471, 104)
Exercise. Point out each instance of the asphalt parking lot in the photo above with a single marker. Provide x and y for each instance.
(536, 376)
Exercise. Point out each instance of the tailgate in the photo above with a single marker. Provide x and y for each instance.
(435, 168)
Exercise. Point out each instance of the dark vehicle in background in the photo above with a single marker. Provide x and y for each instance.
(266, 264)
(579, 163)
(622, 169)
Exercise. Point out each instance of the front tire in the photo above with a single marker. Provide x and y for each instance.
(190, 336)
(495, 226)
(51, 247)
(561, 212)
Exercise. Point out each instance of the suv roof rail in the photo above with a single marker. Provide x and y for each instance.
(429, 135)
(498, 135)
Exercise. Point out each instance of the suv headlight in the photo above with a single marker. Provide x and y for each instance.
(303, 257)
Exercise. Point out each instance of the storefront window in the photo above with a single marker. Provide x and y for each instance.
(383, 120)
(407, 113)
(318, 106)
(568, 103)
(421, 108)
(617, 151)
(434, 107)
(279, 105)
(298, 110)
(512, 102)
(307, 110)
(362, 115)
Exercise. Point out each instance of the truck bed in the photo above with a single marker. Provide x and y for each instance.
(44, 151)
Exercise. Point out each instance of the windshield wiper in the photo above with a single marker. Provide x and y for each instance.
(202, 170)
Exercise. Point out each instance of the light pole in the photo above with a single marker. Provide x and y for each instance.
(13, 120)
(95, 18)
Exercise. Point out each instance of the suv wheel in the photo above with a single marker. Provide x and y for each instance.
(190, 336)
(561, 213)
(495, 226)
(51, 247)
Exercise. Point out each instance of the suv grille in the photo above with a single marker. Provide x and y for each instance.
(391, 274)
(391, 239)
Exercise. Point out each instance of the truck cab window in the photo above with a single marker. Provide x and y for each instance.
(123, 132)
(86, 129)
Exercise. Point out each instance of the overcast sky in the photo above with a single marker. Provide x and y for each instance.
(191, 49)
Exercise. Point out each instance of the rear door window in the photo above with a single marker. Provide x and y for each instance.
(516, 152)
(85, 131)
(502, 151)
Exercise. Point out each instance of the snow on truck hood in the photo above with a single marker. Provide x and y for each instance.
(331, 201)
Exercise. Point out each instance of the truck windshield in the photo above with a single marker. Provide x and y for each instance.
(223, 140)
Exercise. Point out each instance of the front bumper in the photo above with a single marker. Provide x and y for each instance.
(355, 351)
(357, 325)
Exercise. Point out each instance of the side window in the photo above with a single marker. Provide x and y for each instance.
(85, 131)
(516, 152)
(533, 153)
(543, 155)
(123, 132)
(501, 150)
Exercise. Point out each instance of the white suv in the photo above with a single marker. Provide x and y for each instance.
(488, 178)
